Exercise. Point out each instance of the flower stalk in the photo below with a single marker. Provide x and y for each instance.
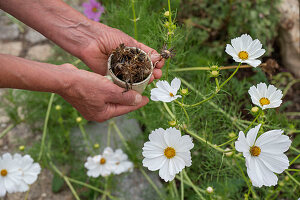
(45, 126)
(134, 20)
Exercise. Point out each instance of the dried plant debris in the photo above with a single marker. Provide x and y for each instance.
(167, 53)
(270, 67)
(130, 65)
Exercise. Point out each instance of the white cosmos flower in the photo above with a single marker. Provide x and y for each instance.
(10, 175)
(166, 92)
(168, 152)
(101, 164)
(29, 170)
(265, 97)
(245, 50)
(122, 162)
(264, 155)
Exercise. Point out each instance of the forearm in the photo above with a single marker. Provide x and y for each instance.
(56, 20)
(20, 73)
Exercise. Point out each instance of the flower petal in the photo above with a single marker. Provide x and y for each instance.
(186, 156)
(172, 137)
(185, 144)
(237, 44)
(246, 41)
(257, 54)
(2, 188)
(254, 46)
(154, 164)
(164, 172)
(276, 163)
(231, 51)
(254, 172)
(157, 137)
(253, 63)
(175, 84)
(241, 144)
(251, 135)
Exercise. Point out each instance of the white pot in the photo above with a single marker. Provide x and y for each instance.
(139, 87)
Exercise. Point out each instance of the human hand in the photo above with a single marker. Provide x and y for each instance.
(96, 54)
(96, 97)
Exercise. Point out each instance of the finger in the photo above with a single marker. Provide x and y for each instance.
(155, 57)
(157, 73)
(151, 79)
(128, 98)
(114, 110)
(160, 64)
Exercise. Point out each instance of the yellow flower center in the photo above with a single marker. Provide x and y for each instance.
(243, 55)
(170, 152)
(3, 172)
(264, 101)
(255, 151)
(102, 161)
(171, 94)
(94, 9)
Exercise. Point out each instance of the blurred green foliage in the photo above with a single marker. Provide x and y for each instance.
(214, 120)
(212, 23)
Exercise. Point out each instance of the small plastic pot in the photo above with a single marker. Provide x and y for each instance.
(140, 86)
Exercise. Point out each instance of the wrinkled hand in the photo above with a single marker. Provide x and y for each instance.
(106, 39)
(96, 97)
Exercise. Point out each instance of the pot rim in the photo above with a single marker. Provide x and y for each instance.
(115, 77)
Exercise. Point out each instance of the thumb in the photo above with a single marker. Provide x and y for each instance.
(130, 98)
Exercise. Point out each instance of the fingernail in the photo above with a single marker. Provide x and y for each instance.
(138, 99)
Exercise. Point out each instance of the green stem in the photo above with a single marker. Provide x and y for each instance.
(230, 77)
(204, 141)
(85, 138)
(108, 134)
(211, 103)
(293, 170)
(121, 136)
(289, 86)
(45, 126)
(170, 12)
(134, 20)
(79, 182)
(246, 180)
(186, 114)
(152, 183)
(27, 193)
(208, 68)
(292, 178)
(92, 187)
(167, 68)
(169, 37)
(217, 90)
(217, 83)
(236, 137)
(259, 114)
(5, 131)
(294, 159)
(195, 188)
(169, 111)
(244, 131)
(71, 188)
(175, 188)
(65, 179)
(182, 185)
(105, 189)
(294, 149)
(203, 101)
